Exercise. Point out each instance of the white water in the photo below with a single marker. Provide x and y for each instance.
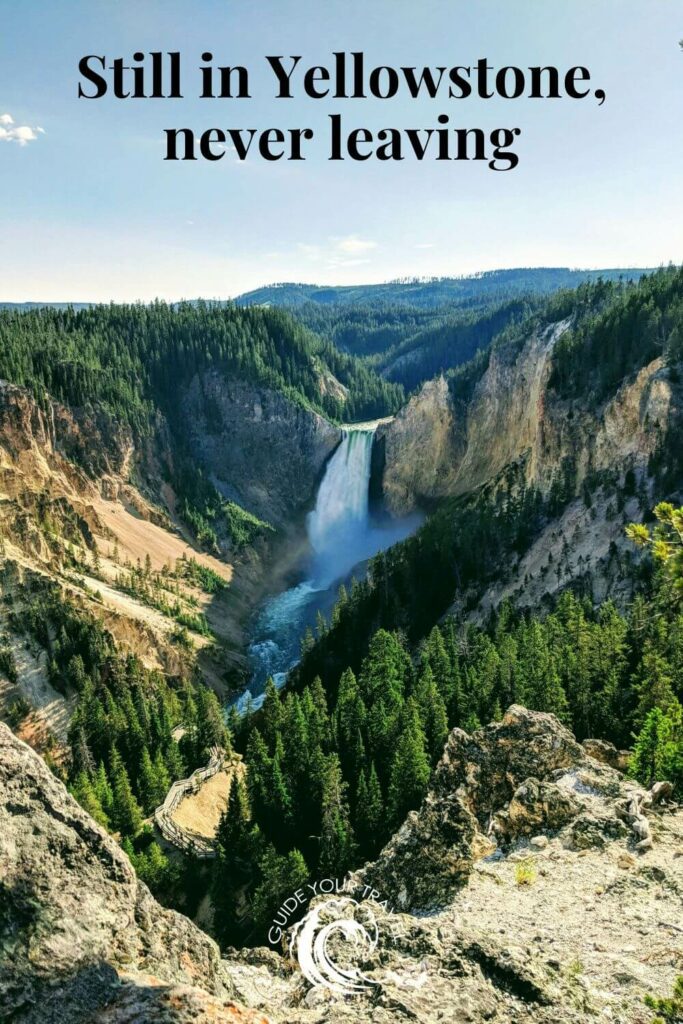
(342, 535)
(338, 525)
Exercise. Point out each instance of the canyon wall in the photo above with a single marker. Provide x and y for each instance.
(263, 450)
(438, 447)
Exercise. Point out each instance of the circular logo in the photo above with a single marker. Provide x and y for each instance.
(330, 940)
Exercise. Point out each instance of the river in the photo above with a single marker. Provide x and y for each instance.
(343, 534)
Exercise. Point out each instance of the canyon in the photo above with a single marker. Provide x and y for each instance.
(194, 540)
(270, 455)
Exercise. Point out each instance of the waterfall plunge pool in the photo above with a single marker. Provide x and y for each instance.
(342, 535)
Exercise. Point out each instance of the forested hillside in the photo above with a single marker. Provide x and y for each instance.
(409, 345)
(132, 360)
(412, 331)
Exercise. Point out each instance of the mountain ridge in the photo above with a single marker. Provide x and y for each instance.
(435, 290)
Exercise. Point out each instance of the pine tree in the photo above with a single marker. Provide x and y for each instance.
(236, 850)
(156, 871)
(336, 839)
(271, 890)
(150, 788)
(432, 713)
(280, 798)
(210, 725)
(436, 656)
(369, 815)
(126, 816)
(654, 685)
(319, 723)
(296, 743)
(271, 714)
(410, 768)
(385, 668)
(350, 712)
(175, 764)
(658, 750)
(235, 822)
(258, 774)
(296, 872)
(84, 791)
(83, 761)
(103, 790)
(163, 779)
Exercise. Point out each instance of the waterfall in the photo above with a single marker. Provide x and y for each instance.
(340, 517)
(342, 536)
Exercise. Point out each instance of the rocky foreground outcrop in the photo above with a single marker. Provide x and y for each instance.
(81, 938)
(534, 884)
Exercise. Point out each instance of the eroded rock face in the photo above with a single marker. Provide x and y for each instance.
(93, 439)
(75, 921)
(438, 447)
(264, 451)
(423, 447)
(607, 753)
(536, 807)
(517, 778)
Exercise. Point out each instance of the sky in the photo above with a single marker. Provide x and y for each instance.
(92, 212)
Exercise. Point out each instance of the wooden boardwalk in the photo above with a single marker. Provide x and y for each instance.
(184, 838)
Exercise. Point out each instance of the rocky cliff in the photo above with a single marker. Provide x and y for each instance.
(263, 450)
(81, 939)
(83, 503)
(437, 447)
(81, 506)
(548, 889)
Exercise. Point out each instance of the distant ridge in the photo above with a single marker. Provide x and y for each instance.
(23, 307)
(424, 292)
(433, 292)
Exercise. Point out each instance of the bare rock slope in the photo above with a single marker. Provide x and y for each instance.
(545, 887)
(534, 884)
(80, 935)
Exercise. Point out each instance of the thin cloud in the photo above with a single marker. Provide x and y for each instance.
(22, 134)
(424, 245)
(352, 245)
(339, 251)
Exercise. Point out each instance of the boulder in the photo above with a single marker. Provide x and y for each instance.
(607, 753)
(535, 807)
(78, 929)
(433, 852)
